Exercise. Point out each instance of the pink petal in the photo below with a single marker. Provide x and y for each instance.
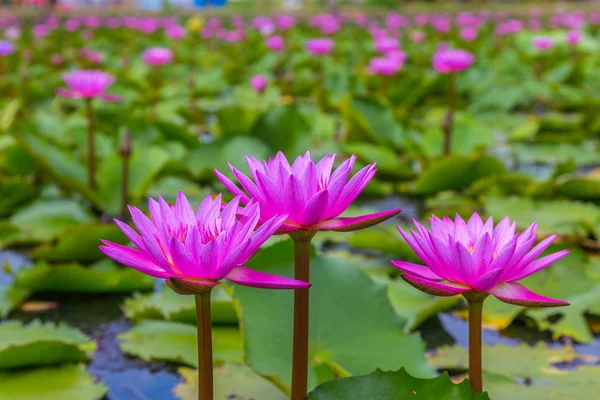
(130, 233)
(415, 269)
(110, 97)
(483, 254)
(183, 210)
(537, 265)
(488, 280)
(475, 225)
(71, 94)
(133, 258)
(514, 293)
(435, 288)
(461, 233)
(315, 209)
(534, 253)
(232, 187)
(463, 263)
(355, 186)
(355, 223)
(249, 277)
(184, 261)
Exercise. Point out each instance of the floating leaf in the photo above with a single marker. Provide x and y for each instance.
(281, 127)
(11, 297)
(103, 277)
(581, 154)
(39, 344)
(177, 342)
(456, 173)
(384, 239)
(371, 121)
(80, 243)
(68, 382)
(582, 188)
(47, 219)
(232, 381)
(416, 306)
(353, 326)
(398, 385)
(526, 373)
(554, 216)
(170, 306)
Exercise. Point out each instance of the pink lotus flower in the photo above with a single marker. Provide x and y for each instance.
(156, 56)
(417, 36)
(463, 257)
(175, 32)
(198, 248)
(448, 60)
(574, 38)
(319, 46)
(94, 57)
(258, 83)
(468, 34)
(275, 43)
(310, 194)
(385, 66)
(285, 22)
(542, 43)
(385, 44)
(88, 84)
(6, 48)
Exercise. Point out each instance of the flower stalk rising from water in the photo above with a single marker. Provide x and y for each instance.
(194, 251)
(312, 196)
(476, 259)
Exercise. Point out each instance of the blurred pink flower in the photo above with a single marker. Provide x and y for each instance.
(319, 46)
(275, 43)
(385, 66)
(175, 32)
(574, 37)
(417, 36)
(465, 257)
(157, 56)
(88, 84)
(198, 248)
(258, 83)
(468, 34)
(452, 60)
(385, 44)
(542, 43)
(6, 48)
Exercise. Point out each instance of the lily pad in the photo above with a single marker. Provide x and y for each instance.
(38, 344)
(47, 219)
(281, 127)
(456, 173)
(581, 154)
(232, 381)
(11, 297)
(67, 382)
(102, 277)
(170, 306)
(399, 385)
(553, 216)
(354, 328)
(177, 342)
(80, 243)
(526, 373)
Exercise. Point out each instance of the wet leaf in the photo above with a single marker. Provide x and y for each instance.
(232, 381)
(67, 382)
(456, 173)
(170, 306)
(553, 216)
(399, 385)
(102, 277)
(507, 369)
(177, 342)
(80, 243)
(353, 326)
(38, 344)
(11, 297)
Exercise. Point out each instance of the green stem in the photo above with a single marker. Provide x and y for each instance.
(475, 322)
(91, 144)
(448, 124)
(205, 357)
(301, 313)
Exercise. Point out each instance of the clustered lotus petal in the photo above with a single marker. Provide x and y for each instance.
(158, 56)
(320, 46)
(88, 84)
(198, 248)
(311, 195)
(475, 256)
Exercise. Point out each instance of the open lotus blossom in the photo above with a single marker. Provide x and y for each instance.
(447, 60)
(574, 37)
(275, 43)
(198, 248)
(88, 84)
(474, 256)
(158, 56)
(385, 66)
(310, 194)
